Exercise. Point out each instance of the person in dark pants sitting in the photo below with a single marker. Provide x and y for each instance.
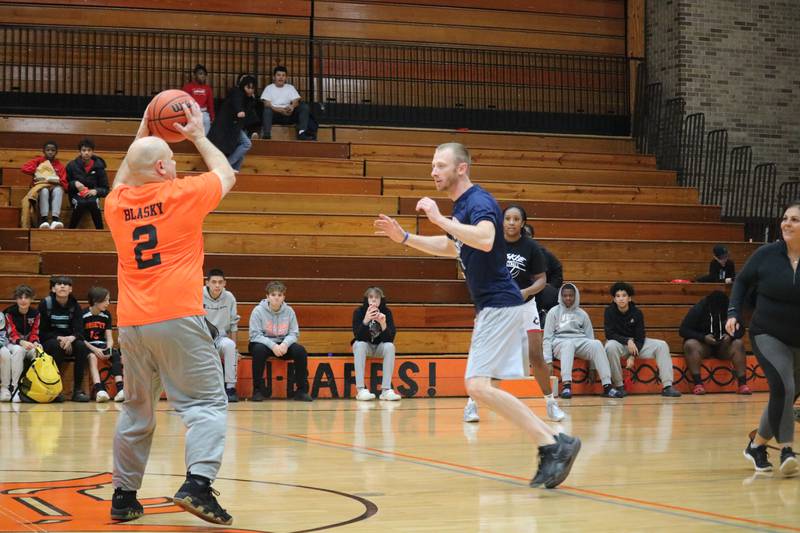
(283, 105)
(273, 333)
(88, 182)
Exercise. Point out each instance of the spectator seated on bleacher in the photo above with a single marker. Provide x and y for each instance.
(374, 332)
(273, 333)
(203, 94)
(220, 306)
(49, 184)
(61, 330)
(229, 130)
(568, 333)
(623, 323)
(721, 269)
(284, 105)
(99, 339)
(22, 323)
(88, 182)
(703, 331)
(5, 362)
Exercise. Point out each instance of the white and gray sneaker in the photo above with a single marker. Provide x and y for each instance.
(101, 396)
(554, 412)
(364, 395)
(471, 411)
(389, 395)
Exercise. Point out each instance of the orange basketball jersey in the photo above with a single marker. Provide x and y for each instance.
(158, 232)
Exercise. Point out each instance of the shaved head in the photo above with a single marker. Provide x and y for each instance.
(149, 159)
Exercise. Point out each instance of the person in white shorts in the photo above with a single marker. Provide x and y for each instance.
(473, 235)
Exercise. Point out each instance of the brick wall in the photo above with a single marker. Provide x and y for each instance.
(739, 63)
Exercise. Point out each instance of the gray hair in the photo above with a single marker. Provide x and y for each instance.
(459, 151)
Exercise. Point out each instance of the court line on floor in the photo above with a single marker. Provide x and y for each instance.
(685, 512)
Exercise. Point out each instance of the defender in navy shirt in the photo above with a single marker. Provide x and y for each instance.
(475, 236)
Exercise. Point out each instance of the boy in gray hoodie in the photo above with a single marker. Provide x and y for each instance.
(568, 333)
(220, 306)
(274, 333)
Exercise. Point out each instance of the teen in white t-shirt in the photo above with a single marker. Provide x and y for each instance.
(282, 105)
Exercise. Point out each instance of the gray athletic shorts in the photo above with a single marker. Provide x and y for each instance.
(496, 350)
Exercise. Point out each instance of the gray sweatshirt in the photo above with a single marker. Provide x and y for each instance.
(221, 312)
(3, 331)
(564, 322)
(270, 327)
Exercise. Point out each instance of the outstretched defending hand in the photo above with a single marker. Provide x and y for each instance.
(193, 130)
(388, 226)
(431, 210)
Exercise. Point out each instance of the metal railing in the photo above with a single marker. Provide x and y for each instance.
(110, 72)
(723, 177)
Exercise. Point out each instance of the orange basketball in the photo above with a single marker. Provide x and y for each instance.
(164, 111)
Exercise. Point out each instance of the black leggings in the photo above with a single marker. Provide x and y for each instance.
(296, 353)
(79, 208)
(79, 352)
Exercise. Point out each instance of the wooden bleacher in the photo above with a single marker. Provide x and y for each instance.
(307, 220)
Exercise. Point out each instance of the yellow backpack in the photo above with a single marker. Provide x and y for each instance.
(42, 381)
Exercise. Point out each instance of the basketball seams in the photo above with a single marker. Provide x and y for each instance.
(162, 124)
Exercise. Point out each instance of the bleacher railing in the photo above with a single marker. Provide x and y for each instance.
(747, 194)
(88, 71)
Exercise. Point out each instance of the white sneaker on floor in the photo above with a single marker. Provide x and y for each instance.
(471, 411)
(16, 398)
(389, 395)
(5, 395)
(554, 412)
(101, 396)
(364, 395)
(56, 224)
(44, 225)
(120, 397)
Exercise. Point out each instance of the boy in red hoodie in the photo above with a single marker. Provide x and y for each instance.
(47, 169)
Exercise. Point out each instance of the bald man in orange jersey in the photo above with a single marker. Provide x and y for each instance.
(156, 221)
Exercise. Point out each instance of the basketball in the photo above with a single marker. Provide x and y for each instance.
(164, 111)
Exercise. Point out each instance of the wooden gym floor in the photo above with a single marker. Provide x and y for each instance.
(646, 464)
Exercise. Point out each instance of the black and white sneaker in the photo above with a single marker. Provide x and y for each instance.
(789, 465)
(197, 497)
(125, 506)
(555, 461)
(758, 456)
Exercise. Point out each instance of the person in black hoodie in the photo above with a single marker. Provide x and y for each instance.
(88, 182)
(703, 331)
(623, 323)
(374, 332)
(228, 132)
(61, 330)
(721, 269)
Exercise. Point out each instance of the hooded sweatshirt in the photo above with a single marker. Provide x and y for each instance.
(704, 319)
(372, 332)
(621, 326)
(94, 178)
(221, 312)
(22, 327)
(60, 321)
(30, 167)
(273, 327)
(566, 322)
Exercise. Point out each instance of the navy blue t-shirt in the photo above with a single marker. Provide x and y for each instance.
(488, 280)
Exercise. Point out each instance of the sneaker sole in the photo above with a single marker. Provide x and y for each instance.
(790, 467)
(127, 516)
(187, 505)
(553, 483)
(472, 420)
(753, 462)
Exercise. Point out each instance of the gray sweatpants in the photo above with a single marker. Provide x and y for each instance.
(566, 350)
(652, 349)
(226, 347)
(385, 349)
(779, 362)
(50, 199)
(178, 355)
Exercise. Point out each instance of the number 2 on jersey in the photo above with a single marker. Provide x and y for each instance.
(150, 243)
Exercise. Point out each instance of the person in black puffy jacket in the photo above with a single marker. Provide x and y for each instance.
(88, 182)
(374, 332)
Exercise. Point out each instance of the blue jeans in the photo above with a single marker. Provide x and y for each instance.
(237, 157)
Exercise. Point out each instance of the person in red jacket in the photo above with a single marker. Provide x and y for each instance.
(202, 93)
(46, 169)
(22, 322)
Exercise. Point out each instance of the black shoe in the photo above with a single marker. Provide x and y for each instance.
(758, 456)
(125, 506)
(79, 396)
(555, 461)
(566, 392)
(59, 398)
(621, 391)
(302, 396)
(232, 396)
(266, 136)
(611, 392)
(258, 395)
(670, 392)
(197, 497)
(789, 466)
